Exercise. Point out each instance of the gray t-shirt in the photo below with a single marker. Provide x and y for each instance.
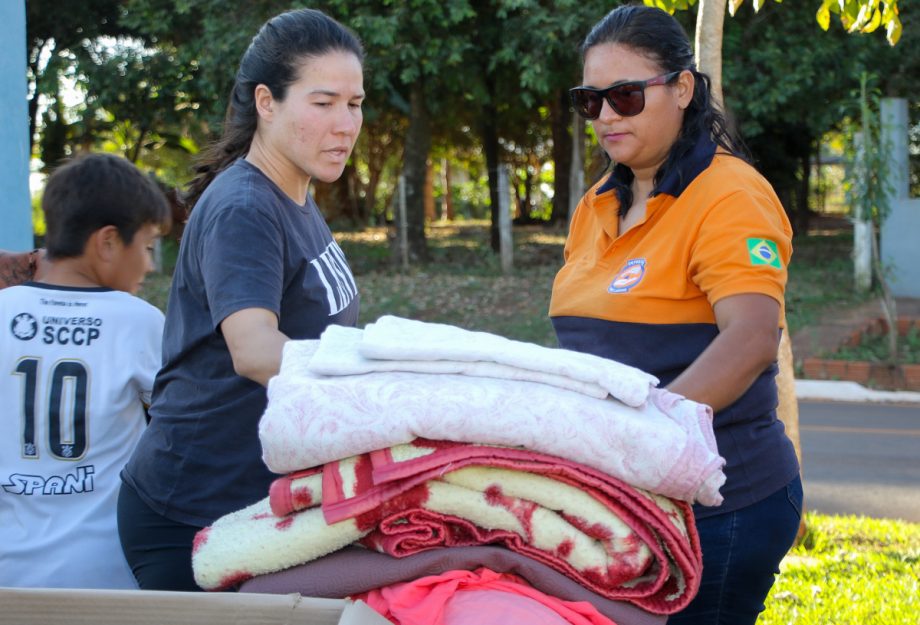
(247, 245)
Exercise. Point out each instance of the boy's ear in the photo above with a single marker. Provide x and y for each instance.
(105, 242)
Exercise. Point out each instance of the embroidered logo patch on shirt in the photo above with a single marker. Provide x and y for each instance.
(629, 276)
(763, 252)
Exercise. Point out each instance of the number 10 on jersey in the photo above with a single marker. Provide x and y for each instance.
(64, 414)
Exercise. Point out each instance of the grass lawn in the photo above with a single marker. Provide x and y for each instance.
(464, 285)
(820, 278)
(846, 571)
(849, 571)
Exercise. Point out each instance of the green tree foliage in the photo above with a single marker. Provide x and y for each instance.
(783, 101)
(489, 73)
(138, 98)
(54, 31)
(526, 60)
(786, 86)
(415, 60)
(133, 92)
(476, 83)
(863, 16)
(208, 37)
(789, 87)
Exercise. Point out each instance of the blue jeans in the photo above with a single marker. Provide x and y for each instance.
(741, 554)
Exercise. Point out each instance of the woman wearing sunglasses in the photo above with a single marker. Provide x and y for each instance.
(676, 263)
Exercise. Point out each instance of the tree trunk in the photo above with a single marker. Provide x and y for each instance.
(415, 170)
(491, 148)
(525, 202)
(430, 215)
(375, 149)
(803, 210)
(354, 206)
(710, 18)
(134, 153)
(370, 192)
(448, 195)
(517, 210)
(339, 199)
(523, 187)
(562, 157)
(53, 142)
(577, 168)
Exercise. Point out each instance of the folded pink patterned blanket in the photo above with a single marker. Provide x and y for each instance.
(618, 541)
(666, 446)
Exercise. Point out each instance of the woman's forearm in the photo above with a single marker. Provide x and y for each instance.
(255, 343)
(726, 369)
(748, 341)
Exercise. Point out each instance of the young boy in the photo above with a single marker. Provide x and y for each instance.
(78, 355)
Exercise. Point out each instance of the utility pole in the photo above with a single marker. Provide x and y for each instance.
(505, 240)
(402, 223)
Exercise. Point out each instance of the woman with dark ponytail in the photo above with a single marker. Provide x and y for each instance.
(257, 266)
(676, 263)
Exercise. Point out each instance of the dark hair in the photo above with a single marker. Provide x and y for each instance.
(653, 33)
(91, 191)
(273, 59)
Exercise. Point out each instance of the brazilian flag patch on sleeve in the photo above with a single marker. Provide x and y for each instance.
(763, 252)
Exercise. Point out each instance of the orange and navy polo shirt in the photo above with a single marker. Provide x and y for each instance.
(645, 297)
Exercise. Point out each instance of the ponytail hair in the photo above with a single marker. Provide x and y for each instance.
(274, 59)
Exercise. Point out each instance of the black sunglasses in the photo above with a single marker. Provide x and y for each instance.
(626, 98)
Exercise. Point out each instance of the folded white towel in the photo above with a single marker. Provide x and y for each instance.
(395, 338)
(338, 353)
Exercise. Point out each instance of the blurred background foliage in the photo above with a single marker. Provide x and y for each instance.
(455, 90)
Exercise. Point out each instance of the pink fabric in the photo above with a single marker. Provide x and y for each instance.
(295, 491)
(493, 598)
(498, 607)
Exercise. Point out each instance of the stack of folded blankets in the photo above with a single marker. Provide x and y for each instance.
(426, 469)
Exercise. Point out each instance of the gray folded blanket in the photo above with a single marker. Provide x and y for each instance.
(354, 570)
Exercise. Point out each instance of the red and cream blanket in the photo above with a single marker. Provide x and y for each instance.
(621, 542)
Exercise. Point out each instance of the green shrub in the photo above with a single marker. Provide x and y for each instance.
(874, 348)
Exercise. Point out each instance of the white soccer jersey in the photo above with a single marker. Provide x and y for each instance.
(75, 366)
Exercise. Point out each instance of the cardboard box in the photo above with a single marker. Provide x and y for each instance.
(47, 606)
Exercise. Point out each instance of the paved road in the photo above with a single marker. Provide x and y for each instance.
(861, 459)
